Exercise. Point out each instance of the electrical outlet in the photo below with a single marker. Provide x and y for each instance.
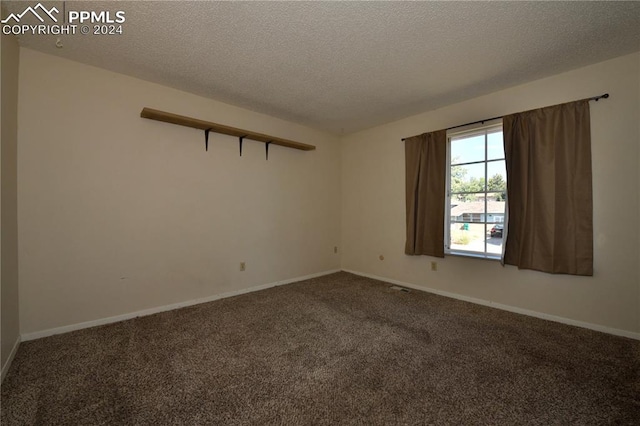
(434, 266)
(335, 249)
(243, 266)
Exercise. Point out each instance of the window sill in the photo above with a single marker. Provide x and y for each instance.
(458, 253)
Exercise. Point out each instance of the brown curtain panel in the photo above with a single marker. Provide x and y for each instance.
(426, 157)
(550, 213)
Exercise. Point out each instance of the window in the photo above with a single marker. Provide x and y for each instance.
(476, 192)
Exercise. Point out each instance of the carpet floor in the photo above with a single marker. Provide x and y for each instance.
(339, 349)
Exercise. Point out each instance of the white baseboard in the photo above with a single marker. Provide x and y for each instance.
(12, 354)
(158, 309)
(563, 320)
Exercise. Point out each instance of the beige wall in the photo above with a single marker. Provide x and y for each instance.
(119, 213)
(9, 212)
(373, 208)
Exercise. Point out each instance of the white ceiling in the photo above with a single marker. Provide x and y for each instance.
(346, 66)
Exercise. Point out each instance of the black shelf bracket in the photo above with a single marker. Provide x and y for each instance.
(240, 139)
(206, 139)
(266, 148)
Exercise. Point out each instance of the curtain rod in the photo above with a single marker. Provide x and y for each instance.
(593, 98)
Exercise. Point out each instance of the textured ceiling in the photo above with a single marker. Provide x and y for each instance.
(346, 66)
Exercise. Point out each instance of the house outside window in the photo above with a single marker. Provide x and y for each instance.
(476, 192)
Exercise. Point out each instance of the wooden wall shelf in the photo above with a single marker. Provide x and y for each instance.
(167, 117)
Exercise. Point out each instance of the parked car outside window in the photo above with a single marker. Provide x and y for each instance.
(496, 231)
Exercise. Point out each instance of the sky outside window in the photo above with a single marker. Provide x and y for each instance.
(467, 150)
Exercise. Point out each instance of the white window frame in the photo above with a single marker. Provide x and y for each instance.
(477, 129)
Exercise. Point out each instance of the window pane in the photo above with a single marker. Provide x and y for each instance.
(494, 239)
(495, 146)
(467, 236)
(456, 199)
(467, 150)
(468, 211)
(469, 178)
(495, 207)
(497, 174)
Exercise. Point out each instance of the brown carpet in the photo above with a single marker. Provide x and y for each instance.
(339, 349)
